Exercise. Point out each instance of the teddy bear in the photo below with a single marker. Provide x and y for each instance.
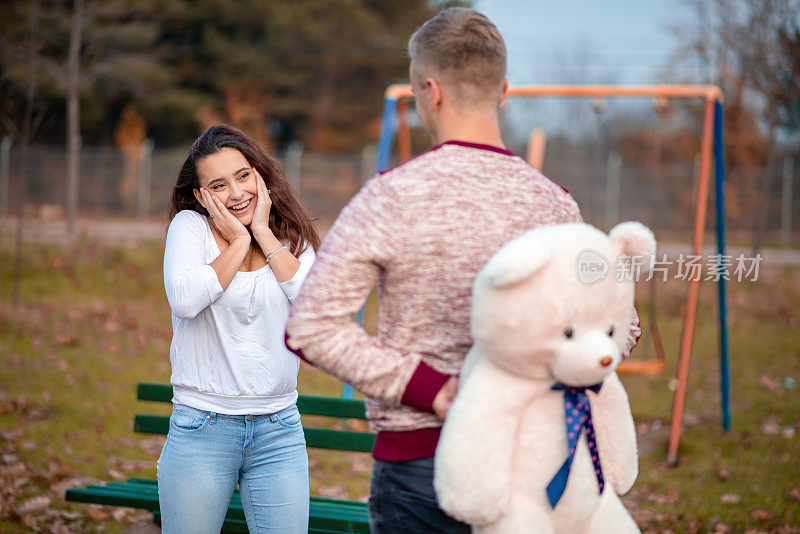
(540, 436)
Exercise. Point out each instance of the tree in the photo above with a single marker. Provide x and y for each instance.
(23, 47)
(755, 48)
(109, 54)
(284, 69)
(74, 112)
(308, 69)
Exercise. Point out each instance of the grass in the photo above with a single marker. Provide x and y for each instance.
(93, 321)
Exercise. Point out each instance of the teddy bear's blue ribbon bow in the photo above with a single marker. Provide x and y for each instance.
(578, 415)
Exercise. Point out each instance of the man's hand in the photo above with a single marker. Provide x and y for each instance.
(444, 399)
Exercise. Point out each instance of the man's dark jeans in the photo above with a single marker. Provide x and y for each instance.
(402, 500)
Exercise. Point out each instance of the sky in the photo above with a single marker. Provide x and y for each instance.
(617, 42)
(603, 41)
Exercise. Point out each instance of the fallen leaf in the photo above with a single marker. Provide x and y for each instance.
(695, 526)
(12, 434)
(60, 488)
(37, 413)
(35, 504)
(75, 314)
(672, 496)
(794, 493)
(761, 515)
(97, 513)
(770, 428)
(70, 516)
(66, 339)
(30, 521)
(9, 458)
(122, 515)
(361, 465)
(116, 475)
(730, 498)
(337, 491)
(132, 270)
(643, 516)
(768, 383)
(666, 517)
(358, 425)
(690, 419)
(127, 466)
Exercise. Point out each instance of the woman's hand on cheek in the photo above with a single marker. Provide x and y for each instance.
(228, 226)
(260, 224)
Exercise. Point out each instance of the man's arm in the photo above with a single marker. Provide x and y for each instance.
(361, 245)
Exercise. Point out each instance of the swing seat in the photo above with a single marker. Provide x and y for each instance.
(641, 367)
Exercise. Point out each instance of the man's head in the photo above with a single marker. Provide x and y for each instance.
(463, 52)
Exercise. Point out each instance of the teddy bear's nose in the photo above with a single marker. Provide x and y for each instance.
(605, 362)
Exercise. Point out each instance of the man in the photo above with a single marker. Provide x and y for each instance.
(422, 231)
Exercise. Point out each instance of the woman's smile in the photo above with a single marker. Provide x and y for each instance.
(241, 207)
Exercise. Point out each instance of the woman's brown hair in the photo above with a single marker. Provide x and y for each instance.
(289, 219)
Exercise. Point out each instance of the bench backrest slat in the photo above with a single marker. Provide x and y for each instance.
(154, 392)
(307, 404)
(320, 438)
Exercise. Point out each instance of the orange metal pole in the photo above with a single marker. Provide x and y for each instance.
(536, 147)
(679, 398)
(709, 92)
(404, 132)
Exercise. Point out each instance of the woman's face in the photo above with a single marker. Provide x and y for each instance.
(228, 176)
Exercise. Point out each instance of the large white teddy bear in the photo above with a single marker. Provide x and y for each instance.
(540, 437)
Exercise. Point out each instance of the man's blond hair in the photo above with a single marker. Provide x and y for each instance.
(464, 50)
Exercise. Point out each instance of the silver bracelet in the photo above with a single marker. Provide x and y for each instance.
(269, 256)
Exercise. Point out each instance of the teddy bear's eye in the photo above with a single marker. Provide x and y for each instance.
(611, 331)
(568, 333)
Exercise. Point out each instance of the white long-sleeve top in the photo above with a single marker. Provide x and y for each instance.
(227, 353)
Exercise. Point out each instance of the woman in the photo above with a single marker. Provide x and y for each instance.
(238, 247)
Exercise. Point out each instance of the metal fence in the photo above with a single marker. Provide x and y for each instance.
(606, 186)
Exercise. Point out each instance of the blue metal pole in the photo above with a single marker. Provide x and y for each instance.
(387, 133)
(719, 165)
(384, 154)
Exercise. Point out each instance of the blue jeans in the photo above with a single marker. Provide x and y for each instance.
(207, 453)
(402, 500)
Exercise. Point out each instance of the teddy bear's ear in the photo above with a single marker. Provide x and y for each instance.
(636, 241)
(516, 261)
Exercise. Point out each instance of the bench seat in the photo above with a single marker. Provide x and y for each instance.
(327, 515)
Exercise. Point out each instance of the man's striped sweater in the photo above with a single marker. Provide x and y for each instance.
(420, 231)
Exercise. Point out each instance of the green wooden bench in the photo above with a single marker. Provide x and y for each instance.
(327, 516)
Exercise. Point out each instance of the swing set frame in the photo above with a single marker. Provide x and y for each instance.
(395, 119)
